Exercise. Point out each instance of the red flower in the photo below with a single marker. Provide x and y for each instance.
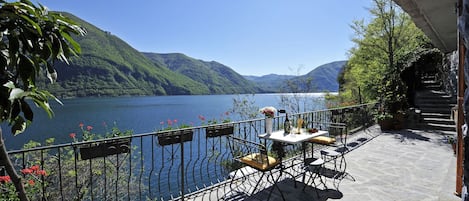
(175, 121)
(81, 125)
(89, 128)
(72, 135)
(201, 117)
(5, 179)
(227, 113)
(170, 122)
(27, 171)
(41, 172)
(34, 168)
(31, 182)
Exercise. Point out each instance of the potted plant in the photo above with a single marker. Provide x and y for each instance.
(105, 147)
(219, 130)
(453, 142)
(174, 134)
(385, 120)
(216, 129)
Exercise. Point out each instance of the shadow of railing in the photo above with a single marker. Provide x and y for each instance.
(169, 165)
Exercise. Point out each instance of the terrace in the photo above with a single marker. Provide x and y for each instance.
(156, 166)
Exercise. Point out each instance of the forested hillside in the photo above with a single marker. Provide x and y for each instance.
(219, 78)
(108, 66)
(320, 79)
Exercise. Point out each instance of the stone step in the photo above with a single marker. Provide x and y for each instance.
(434, 108)
(438, 120)
(432, 93)
(432, 86)
(434, 115)
(445, 110)
(439, 127)
(448, 102)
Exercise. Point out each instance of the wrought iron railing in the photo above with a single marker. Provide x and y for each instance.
(177, 164)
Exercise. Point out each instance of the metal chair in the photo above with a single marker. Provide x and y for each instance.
(253, 155)
(333, 163)
(335, 130)
(314, 166)
(334, 156)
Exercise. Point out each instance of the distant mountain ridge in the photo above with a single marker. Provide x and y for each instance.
(324, 78)
(108, 66)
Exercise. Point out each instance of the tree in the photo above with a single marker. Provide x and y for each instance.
(32, 38)
(376, 60)
(297, 98)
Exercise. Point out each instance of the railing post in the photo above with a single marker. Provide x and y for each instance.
(182, 170)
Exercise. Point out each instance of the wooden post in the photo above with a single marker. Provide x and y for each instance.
(461, 89)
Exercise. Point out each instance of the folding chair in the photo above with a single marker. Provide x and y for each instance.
(333, 156)
(337, 146)
(254, 155)
(335, 130)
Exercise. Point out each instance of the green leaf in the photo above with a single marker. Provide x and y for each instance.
(19, 125)
(28, 113)
(17, 93)
(34, 24)
(15, 109)
(26, 68)
(74, 44)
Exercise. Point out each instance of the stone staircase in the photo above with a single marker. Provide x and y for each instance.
(435, 107)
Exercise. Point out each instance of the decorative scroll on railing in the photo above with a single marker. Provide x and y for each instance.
(176, 164)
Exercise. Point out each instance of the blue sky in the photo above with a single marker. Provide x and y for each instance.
(253, 37)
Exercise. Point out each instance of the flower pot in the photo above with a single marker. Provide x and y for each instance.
(268, 125)
(386, 124)
(174, 137)
(219, 130)
(103, 149)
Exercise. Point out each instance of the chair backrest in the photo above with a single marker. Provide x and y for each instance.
(251, 153)
(335, 129)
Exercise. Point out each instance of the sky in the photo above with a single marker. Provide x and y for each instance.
(253, 37)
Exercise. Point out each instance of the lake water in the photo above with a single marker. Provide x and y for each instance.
(140, 114)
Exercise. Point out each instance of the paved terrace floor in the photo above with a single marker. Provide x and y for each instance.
(401, 165)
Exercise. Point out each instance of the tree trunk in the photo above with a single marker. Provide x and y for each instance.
(15, 178)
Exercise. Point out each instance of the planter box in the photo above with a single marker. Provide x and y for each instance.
(102, 149)
(174, 137)
(220, 130)
(386, 124)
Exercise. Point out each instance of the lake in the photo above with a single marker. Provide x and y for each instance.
(139, 114)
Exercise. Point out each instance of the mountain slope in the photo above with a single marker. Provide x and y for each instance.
(110, 67)
(219, 78)
(323, 78)
(270, 83)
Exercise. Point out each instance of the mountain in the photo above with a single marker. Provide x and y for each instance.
(271, 82)
(108, 66)
(323, 78)
(219, 78)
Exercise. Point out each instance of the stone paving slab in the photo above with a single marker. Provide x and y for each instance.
(406, 165)
(401, 165)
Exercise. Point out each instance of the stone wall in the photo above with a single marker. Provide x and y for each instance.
(448, 73)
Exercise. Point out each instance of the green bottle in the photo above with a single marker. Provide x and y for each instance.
(287, 125)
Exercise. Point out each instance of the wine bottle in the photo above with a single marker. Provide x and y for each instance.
(287, 124)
